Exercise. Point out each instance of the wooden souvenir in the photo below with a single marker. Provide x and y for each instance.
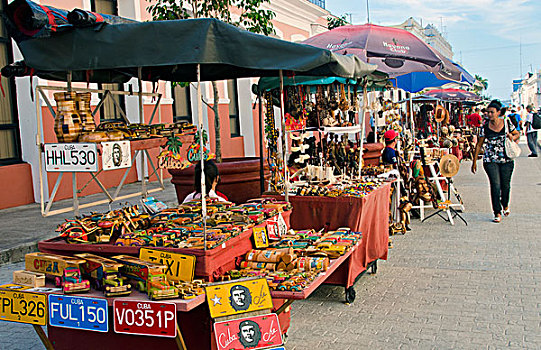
(67, 124)
(29, 278)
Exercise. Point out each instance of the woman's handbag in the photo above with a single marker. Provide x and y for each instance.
(512, 149)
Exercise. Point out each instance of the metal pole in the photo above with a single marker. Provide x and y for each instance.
(412, 119)
(261, 163)
(284, 138)
(363, 109)
(141, 120)
(367, 11)
(201, 154)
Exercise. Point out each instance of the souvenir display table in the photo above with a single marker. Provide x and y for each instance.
(368, 214)
(210, 263)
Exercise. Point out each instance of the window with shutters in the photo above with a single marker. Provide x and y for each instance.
(10, 143)
(234, 117)
(182, 104)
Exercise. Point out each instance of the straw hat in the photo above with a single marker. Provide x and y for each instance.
(449, 165)
(440, 114)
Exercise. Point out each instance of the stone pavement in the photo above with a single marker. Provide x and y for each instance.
(443, 287)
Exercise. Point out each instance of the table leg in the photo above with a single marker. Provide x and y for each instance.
(43, 337)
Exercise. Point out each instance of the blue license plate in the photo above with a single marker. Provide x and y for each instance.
(78, 312)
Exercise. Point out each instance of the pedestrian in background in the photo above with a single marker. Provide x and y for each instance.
(531, 133)
(497, 165)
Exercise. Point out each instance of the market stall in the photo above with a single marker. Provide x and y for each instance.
(212, 242)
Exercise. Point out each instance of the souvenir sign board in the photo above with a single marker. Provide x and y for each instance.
(23, 307)
(260, 237)
(178, 267)
(78, 313)
(256, 332)
(116, 155)
(238, 297)
(70, 157)
(145, 318)
(276, 227)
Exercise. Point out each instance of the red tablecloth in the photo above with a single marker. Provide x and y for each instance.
(209, 264)
(369, 215)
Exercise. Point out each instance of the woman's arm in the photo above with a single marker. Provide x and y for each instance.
(478, 146)
(514, 135)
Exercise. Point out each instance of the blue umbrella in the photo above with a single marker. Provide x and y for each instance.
(418, 81)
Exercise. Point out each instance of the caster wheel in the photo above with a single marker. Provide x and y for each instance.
(350, 295)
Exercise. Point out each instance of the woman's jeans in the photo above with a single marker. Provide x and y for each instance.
(499, 176)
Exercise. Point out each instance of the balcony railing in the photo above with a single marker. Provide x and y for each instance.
(320, 3)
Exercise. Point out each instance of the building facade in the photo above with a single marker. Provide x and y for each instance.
(295, 20)
(528, 90)
(429, 34)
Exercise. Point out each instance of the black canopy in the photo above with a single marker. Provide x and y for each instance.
(171, 50)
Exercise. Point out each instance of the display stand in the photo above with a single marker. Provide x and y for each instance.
(140, 148)
(448, 206)
(436, 180)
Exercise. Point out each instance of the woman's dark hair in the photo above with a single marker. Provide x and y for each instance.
(495, 104)
(211, 173)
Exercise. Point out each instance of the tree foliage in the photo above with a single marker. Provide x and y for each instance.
(480, 84)
(335, 22)
(251, 18)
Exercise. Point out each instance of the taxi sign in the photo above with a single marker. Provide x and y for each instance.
(256, 332)
(260, 237)
(178, 267)
(238, 297)
(23, 307)
(145, 318)
(78, 312)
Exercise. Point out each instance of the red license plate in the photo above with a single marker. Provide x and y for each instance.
(145, 318)
(255, 332)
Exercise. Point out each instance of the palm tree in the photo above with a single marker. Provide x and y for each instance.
(480, 84)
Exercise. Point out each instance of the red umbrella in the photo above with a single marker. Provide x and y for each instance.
(453, 95)
(395, 51)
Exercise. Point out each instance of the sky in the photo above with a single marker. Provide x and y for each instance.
(497, 39)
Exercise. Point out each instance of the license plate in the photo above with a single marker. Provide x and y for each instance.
(71, 157)
(145, 318)
(23, 307)
(254, 332)
(178, 267)
(238, 297)
(90, 314)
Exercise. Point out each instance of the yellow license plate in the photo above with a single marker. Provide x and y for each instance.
(238, 297)
(261, 238)
(23, 307)
(178, 267)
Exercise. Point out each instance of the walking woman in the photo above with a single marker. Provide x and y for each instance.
(497, 165)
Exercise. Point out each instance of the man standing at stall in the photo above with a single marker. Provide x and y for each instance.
(389, 155)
